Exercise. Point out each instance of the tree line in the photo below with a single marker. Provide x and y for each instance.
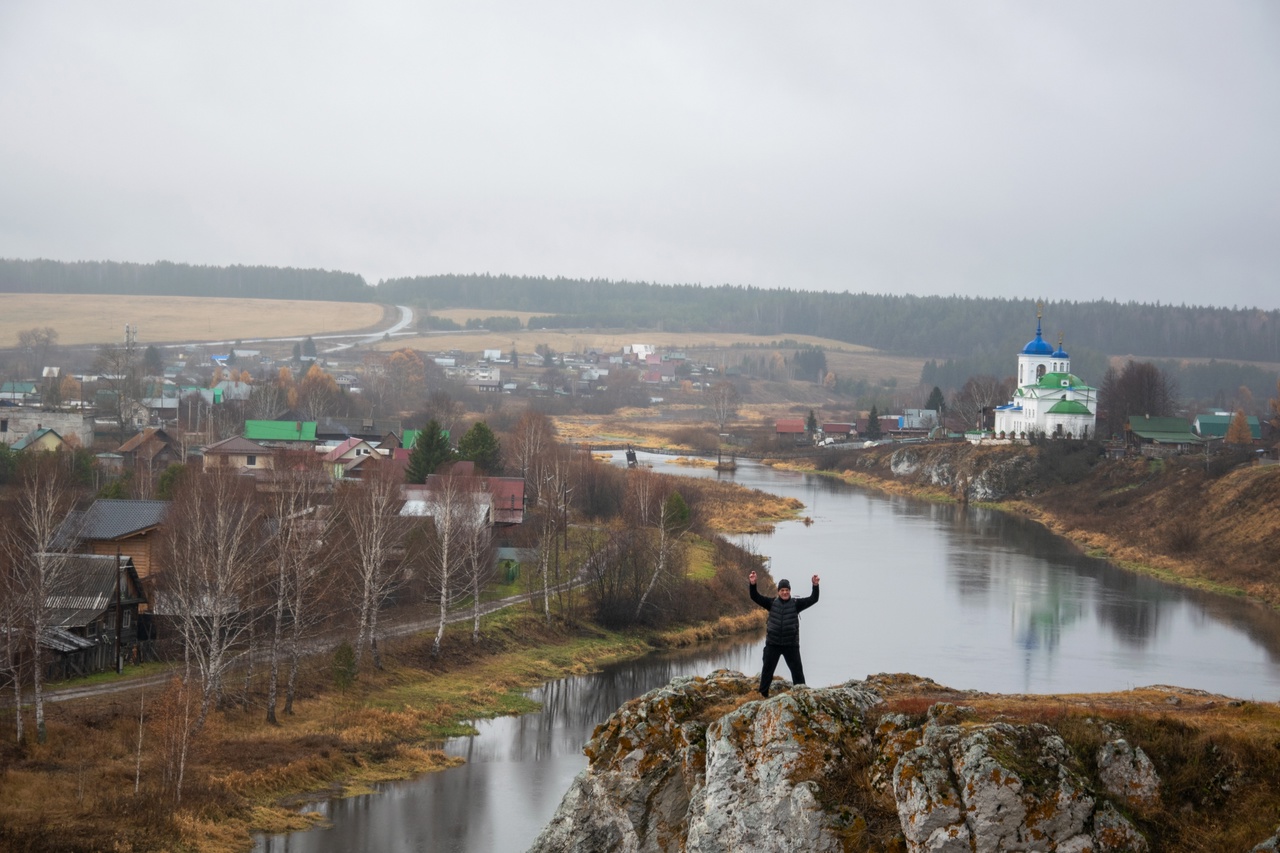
(935, 327)
(930, 326)
(163, 278)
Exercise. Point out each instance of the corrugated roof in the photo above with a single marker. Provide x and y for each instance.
(62, 640)
(113, 519)
(280, 430)
(86, 586)
(1163, 430)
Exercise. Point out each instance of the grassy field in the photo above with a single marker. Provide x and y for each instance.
(98, 319)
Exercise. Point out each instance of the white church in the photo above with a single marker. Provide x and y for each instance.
(1049, 399)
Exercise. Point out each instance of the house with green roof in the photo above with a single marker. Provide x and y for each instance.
(1211, 425)
(1162, 436)
(281, 433)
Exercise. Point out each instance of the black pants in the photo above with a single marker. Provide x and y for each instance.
(771, 655)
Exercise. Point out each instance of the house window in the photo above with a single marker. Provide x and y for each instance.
(4, 424)
(111, 620)
(91, 630)
(126, 619)
(251, 460)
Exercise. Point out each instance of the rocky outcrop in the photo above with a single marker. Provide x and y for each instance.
(992, 474)
(704, 764)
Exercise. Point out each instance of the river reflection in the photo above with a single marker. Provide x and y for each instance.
(970, 597)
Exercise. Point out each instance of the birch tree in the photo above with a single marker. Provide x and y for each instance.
(299, 571)
(370, 527)
(456, 505)
(212, 571)
(38, 568)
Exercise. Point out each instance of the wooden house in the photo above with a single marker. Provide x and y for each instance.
(790, 430)
(1162, 436)
(93, 615)
(150, 452)
(239, 454)
(130, 528)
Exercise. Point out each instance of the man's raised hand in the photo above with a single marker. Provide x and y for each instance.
(751, 578)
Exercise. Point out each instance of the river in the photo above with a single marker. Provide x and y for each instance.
(966, 596)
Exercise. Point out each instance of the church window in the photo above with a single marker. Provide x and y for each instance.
(1039, 371)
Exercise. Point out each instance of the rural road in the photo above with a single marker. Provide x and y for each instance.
(396, 328)
(316, 646)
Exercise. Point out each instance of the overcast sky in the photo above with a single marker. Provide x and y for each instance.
(1070, 150)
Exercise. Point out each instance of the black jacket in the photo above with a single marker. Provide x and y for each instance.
(784, 617)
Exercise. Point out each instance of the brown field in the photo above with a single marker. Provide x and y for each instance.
(96, 319)
(723, 349)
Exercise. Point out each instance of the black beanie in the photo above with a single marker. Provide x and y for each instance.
(784, 584)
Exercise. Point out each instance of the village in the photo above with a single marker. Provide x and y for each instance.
(264, 414)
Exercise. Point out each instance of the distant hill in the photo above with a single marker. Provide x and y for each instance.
(166, 279)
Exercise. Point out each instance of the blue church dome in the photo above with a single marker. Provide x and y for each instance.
(1039, 346)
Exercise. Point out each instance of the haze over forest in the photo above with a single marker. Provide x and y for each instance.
(1209, 350)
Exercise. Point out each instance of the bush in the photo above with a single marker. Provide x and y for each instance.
(344, 666)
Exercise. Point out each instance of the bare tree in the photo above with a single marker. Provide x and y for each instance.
(36, 344)
(533, 439)
(456, 506)
(553, 506)
(367, 516)
(38, 569)
(117, 368)
(724, 399)
(979, 394)
(1140, 388)
(213, 552)
(300, 568)
(478, 565)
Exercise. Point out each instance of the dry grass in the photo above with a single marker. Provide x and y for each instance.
(98, 319)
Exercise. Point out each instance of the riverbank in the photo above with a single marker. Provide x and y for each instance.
(245, 776)
(1211, 527)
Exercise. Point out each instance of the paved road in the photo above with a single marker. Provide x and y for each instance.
(397, 328)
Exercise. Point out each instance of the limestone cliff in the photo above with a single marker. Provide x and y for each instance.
(704, 764)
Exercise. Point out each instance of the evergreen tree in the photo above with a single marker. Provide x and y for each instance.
(873, 424)
(152, 363)
(811, 423)
(430, 451)
(309, 347)
(297, 351)
(482, 447)
(936, 401)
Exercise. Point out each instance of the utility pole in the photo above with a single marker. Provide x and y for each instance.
(119, 619)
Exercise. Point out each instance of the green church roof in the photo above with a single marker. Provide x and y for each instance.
(1069, 407)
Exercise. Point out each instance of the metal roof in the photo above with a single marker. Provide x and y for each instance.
(280, 430)
(112, 519)
(86, 586)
